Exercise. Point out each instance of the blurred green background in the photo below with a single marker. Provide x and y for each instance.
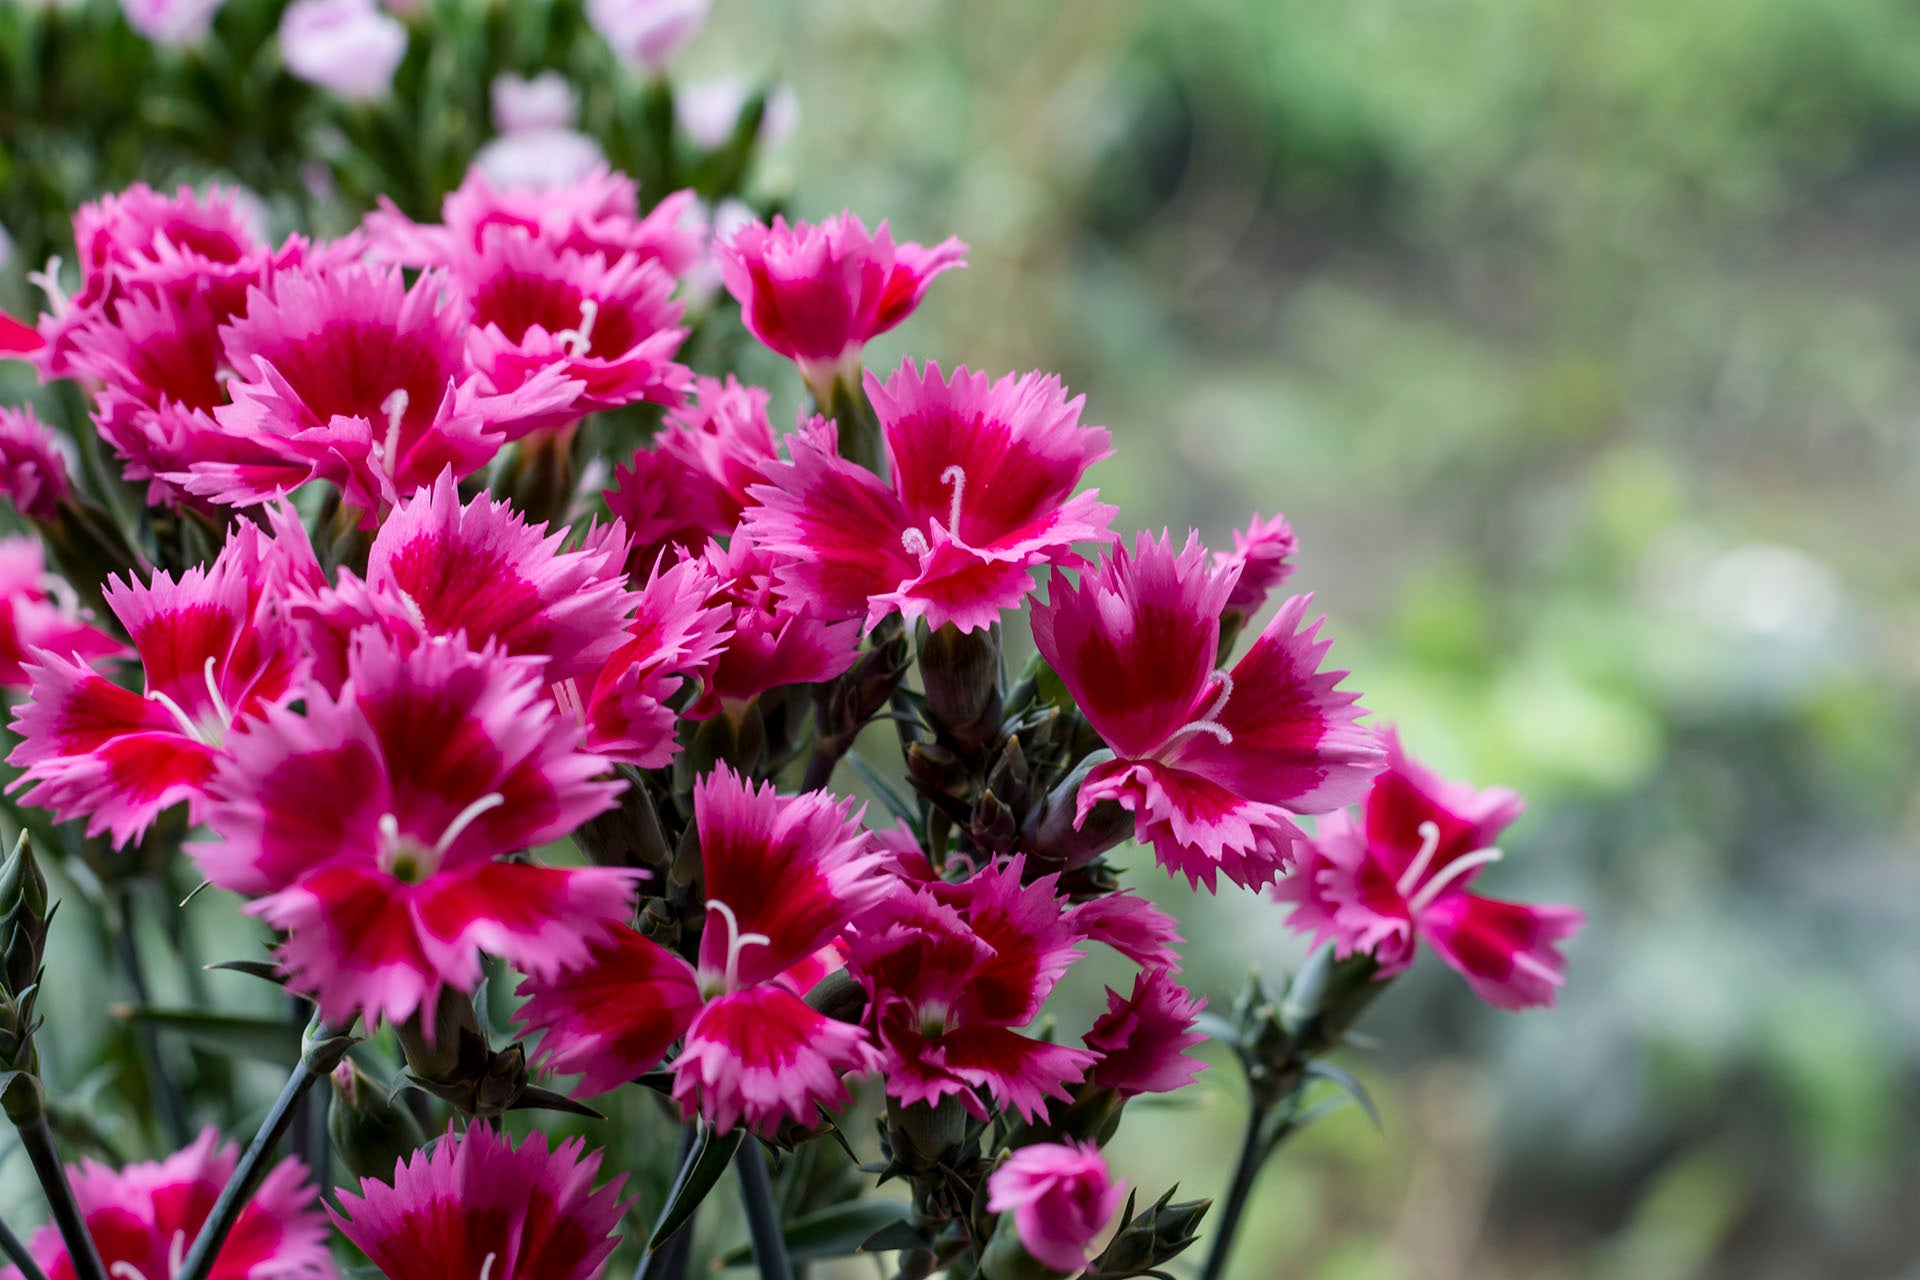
(1577, 343)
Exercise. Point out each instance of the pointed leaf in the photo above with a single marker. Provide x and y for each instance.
(263, 1039)
(1348, 1083)
(265, 970)
(535, 1098)
(895, 803)
(711, 1155)
(838, 1232)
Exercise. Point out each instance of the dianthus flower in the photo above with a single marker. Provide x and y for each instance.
(983, 479)
(214, 653)
(1061, 1196)
(33, 469)
(39, 611)
(782, 875)
(473, 1207)
(348, 375)
(1264, 556)
(144, 1217)
(1143, 1037)
(952, 971)
(1404, 872)
(774, 641)
(1212, 764)
(369, 827)
(609, 327)
(691, 482)
(818, 294)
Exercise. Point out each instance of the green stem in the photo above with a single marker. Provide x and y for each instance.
(160, 1085)
(38, 1140)
(18, 1255)
(763, 1219)
(669, 1261)
(1246, 1171)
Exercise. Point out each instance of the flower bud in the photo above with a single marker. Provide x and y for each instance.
(1148, 1242)
(922, 1136)
(371, 1131)
(961, 673)
(24, 916)
(1051, 830)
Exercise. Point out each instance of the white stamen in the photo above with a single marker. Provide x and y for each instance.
(1451, 872)
(177, 1253)
(915, 542)
(389, 830)
(736, 940)
(1225, 682)
(180, 716)
(466, 818)
(1209, 719)
(213, 691)
(577, 342)
(395, 407)
(48, 282)
(1429, 845)
(566, 696)
(126, 1271)
(486, 1267)
(957, 477)
(1219, 731)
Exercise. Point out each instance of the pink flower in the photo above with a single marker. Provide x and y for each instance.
(775, 642)
(143, 1218)
(599, 213)
(674, 632)
(1142, 1038)
(38, 611)
(213, 655)
(369, 826)
(610, 327)
(348, 375)
(1264, 557)
(172, 22)
(545, 101)
(648, 34)
(951, 971)
(983, 491)
(1402, 873)
(783, 875)
(818, 294)
(691, 483)
(471, 1206)
(1061, 1198)
(16, 338)
(33, 466)
(1211, 764)
(347, 46)
(440, 568)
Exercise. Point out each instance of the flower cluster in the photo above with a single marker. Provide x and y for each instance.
(434, 700)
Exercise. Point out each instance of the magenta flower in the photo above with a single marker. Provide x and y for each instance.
(144, 1217)
(33, 465)
(213, 655)
(1142, 1038)
(348, 375)
(38, 611)
(647, 34)
(818, 294)
(1061, 1198)
(369, 825)
(17, 338)
(472, 1207)
(691, 482)
(783, 875)
(349, 47)
(983, 491)
(600, 213)
(1211, 764)
(1403, 873)
(611, 328)
(775, 641)
(952, 971)
(1264, 556)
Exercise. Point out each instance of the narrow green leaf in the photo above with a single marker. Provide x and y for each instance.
(895, 803)
(263, 1039)
(712, 1153)
(1349, 1084)
(837, 1232)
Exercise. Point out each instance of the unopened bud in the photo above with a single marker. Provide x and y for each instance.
(839, 996)
(24, 914)
(1148, 1242)
(1053, 834)
(961, 673)
(371, 1130)
(922, 1135)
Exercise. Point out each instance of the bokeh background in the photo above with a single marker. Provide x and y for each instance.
(1578, 343)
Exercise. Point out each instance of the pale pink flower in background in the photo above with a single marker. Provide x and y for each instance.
(350, 47)
(709, 109)
(174, 22)
(143, 1217)
(474, 1207)
(648, 34)
(1061, 1197)
(545, 101)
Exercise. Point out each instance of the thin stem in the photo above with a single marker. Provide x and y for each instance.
(160, 1085)
(669, 1261)
(246, 1179)
(38, 1140)
(763, 1218)
(18, 1255)
(1253, 1153)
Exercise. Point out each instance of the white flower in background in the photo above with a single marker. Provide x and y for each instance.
(546, 101)
(702, 280)
(648, 34)
(708, 111)
(348, 46)
(174, 22)
(6, 248)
